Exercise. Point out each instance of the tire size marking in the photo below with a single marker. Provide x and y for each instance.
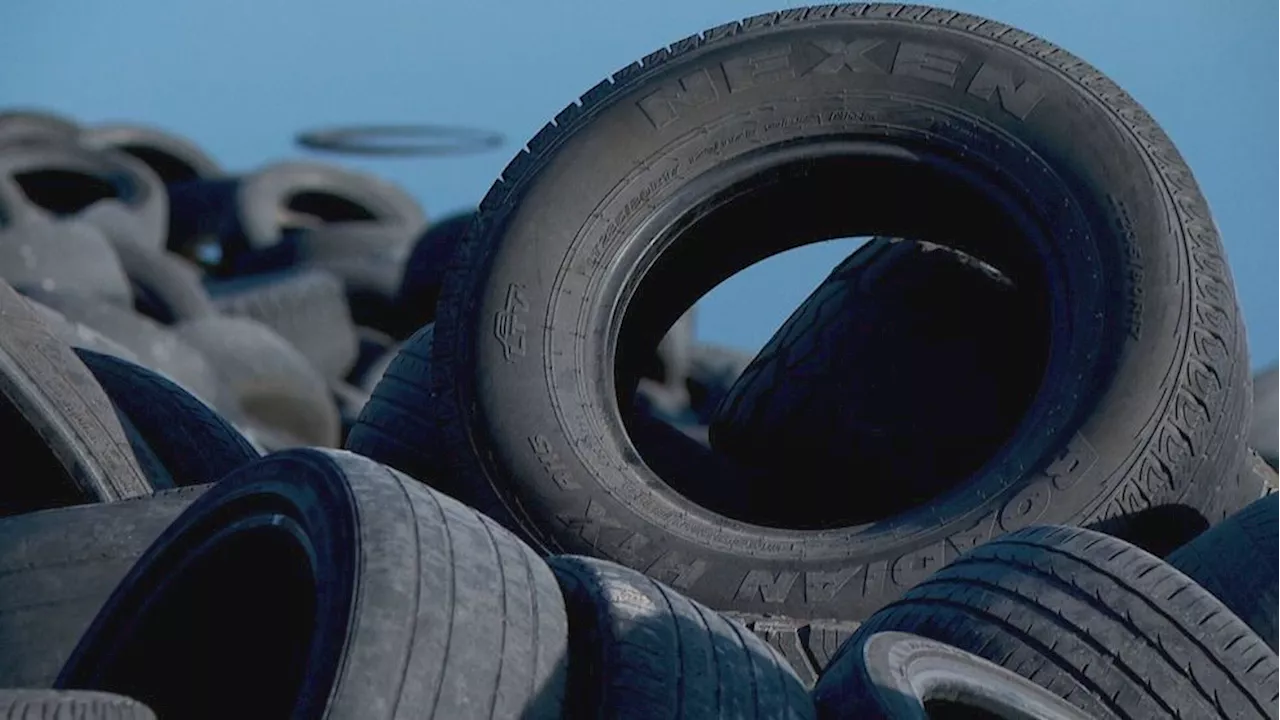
(782, 62)
(552, 464)
(508, 324)
(628, 548)
(1023, 508)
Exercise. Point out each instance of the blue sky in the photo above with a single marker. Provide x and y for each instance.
(240, 77)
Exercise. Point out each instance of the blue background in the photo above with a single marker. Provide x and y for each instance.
(240, 77)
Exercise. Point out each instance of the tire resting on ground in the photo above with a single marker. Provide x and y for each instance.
(1237, 561)
(57, 568)
(1103, 624)
(897, 675)
(195, 444)
(420, 606)
(637, 648)
(521, 304)
(56, 397)
(79, 704)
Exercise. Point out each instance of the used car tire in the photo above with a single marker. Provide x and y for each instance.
(424, 272)
(1144, 395)
(638, 648)
(80, 704)
(1264, 428)
(1103, 624)
(173, 158)
(344, 578)
(57, 568)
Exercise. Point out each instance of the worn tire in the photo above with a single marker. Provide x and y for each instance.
(166, 287)
(639, 649)
(1237, 561)
(1145, 395)
(307, 307)
(424, 272)
(22, 126)
(171, 157)
(906, 369)
(57, 568)
(394, 427)
(58, 424)
(1264, 428)
(369, 258)
(808, 645)
(273, 384)
(361, 593)
(57, 704)
(898, 676)
(193, 442)
(63, 256)
(1103, 624)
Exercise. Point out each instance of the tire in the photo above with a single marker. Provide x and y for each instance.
(1236, 560)
(1145, 392)
(71, 704)
(62, 256)
(166, 287)
(155, 346)
(190, 439)
(274, 385)
(78, 335)
(306, 307)
(638, 648)
(899, 676)
(1101, 623)
(1264, 428)
(26, 126)
(58, 424)
(57, 568)
(424, 272)
(808, 645)
(347, 579)
(870, 377)
(394, 427)
(713, 370)
(173, 158)
(369, 258)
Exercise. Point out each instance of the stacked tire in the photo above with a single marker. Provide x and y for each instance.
(1006, 460)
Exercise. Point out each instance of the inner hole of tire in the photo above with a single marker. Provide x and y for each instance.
(64, 192)
(171, 168)
(328, 207)
(42, 482)
(952, 710)
(941, 378)
(227, 636)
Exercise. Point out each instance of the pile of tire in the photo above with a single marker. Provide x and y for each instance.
(298, 451)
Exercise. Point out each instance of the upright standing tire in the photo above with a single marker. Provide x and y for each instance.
(744, 140)
(1103, 624)
(57, 568)
(58, 424)
(640, 649)
(330, 586)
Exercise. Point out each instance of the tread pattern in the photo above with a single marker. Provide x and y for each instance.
(307, 307)
(394, 427)
(1237, 561)
(70, 705)
(808, 645)
(640, 649)
(1101, 623)
(877, 372)
(194, 443)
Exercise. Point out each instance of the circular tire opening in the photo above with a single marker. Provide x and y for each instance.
(64, 192)
(328, 208)
(934, 407)
(171, 168)
(240, 614)
(42, 482)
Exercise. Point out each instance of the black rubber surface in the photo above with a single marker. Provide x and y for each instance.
(1264, 428)
(78, 704)
(330, 586)
(1107, 626)
(424, 272)
(808, 645)
(640, 649)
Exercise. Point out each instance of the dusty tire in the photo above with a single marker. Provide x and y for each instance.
(171, 157)
(307, 307)
(24, 126)
(1237, 561)
(57, 568)
(637, 644)
(66, 256)
(1144, 397)
(274, 385)
(808, 645)
(195, 444)
(57, 704)
(59, 425)
(369, 258)
(345, 578)
(1264, 428)
(898, 676)
(1109, 627)
(166, 287)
